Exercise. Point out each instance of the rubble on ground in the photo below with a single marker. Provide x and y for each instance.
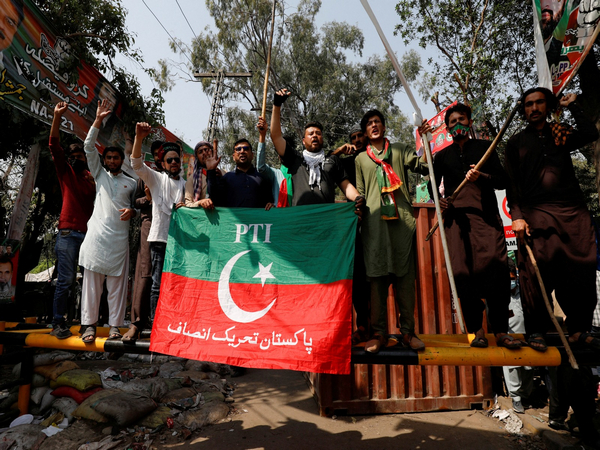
(80, 400)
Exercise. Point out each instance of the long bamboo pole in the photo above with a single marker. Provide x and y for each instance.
(480, 164)
(266, 87)
(438, 211)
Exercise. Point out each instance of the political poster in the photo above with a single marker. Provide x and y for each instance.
(441, 138)
(509, 234)
(34, 77)
(566, 31)
(262, 289)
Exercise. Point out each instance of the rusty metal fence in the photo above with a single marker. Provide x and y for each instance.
(374, 388)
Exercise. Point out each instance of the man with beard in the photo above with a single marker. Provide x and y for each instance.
(474, 229)
(140, 299)
(549, 211)
(314, 175)
(243, 187)
(78, 193)
(105, 249)
(167, 189)
(197, 183)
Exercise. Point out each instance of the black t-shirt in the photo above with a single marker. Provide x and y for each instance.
(332, 174)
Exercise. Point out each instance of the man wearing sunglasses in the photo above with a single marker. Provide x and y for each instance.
(167, 189)
(243, 187)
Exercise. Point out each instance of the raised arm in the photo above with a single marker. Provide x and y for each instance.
(276, 134)
(89, 144)
(58, 154)
(59, 110)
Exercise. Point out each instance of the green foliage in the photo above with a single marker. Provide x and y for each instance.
(313, 63)
(487, 43)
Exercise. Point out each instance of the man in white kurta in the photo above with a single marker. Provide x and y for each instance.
(167, 189)
(105, 249)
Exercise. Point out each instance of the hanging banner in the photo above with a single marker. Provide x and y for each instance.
(441, 138)
(33, 77)
(568, 31)
(263, 289)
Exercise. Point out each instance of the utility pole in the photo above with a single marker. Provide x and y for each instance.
(217, 101)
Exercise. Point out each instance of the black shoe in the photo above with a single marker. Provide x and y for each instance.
(60, 331)
(556, 425)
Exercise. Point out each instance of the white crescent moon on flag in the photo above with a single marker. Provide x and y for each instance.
(231, 310)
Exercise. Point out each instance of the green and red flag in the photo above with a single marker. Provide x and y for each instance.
(263, 289)
(564, 31)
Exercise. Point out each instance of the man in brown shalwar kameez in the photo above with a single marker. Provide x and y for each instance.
(140, 300)
(474, 229)
(549, 212)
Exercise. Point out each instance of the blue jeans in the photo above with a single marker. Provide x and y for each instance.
(157, 253)
(67, 247)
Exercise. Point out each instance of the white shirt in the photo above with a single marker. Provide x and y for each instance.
(165, 192)
(106, 242)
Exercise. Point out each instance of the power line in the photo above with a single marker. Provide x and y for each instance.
(186, 19)
(166, 31)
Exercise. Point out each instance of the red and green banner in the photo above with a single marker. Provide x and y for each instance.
(441, 137)
(262, 289)
(33, 77)
(566, 31)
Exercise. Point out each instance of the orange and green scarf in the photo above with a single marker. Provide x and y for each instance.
(388, 181)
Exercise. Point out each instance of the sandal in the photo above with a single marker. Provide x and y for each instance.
(375, 344)
(360, 335)
(537, 342)
(89, 333)
(132, 335)
(114, 334)
(412, 340)
(594, 343)
(479, 342)
(507, 341)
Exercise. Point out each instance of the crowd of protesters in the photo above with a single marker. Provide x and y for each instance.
(102, 195)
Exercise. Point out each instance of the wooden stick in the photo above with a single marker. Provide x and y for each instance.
(563, 339)
(481, 162)
(266, 87)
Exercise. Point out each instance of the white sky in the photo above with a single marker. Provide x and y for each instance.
(186, 107)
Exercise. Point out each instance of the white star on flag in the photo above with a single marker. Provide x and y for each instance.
(264, 273)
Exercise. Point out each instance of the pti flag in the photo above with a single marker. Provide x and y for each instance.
(263, 289)
(564, 31)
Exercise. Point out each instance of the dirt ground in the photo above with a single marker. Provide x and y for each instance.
(274, 409)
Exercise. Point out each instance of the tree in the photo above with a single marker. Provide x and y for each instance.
(485, 47)
(489, 44)
(312, 63)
